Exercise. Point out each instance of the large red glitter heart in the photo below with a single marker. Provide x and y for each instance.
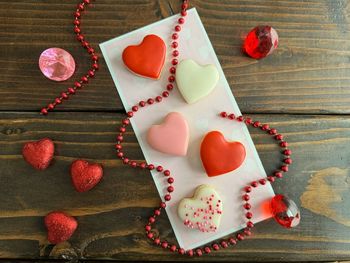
(39, 153)
(85, 175)
(146, 59)
(219, 156)
(60, 227)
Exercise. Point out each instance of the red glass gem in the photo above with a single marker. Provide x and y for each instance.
(260, 42)
(285, 211)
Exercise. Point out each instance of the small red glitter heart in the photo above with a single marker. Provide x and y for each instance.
(60, 227)
(85, 175)
(39, 153)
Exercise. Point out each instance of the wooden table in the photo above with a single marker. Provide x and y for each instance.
(302, 89)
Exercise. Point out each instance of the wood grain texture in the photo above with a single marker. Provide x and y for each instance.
(112, 216)
(309, 72)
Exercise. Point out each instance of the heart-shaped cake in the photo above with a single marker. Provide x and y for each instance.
(220, 156)
(195, 81)
(60, 227)
(146, 59)
(171, 136)
(203, 210)
(85, 175)
(39, 153)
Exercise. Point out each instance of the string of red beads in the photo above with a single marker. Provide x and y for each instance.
(90, 73)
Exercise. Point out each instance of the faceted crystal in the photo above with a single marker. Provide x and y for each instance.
(260, 42)
(285, 211)
(56, 64)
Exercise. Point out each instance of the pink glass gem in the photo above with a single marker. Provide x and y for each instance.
(56, 64)
(260, 42)
(285, 211)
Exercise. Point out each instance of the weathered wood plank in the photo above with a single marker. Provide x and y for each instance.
(309, 73)
(112, 216)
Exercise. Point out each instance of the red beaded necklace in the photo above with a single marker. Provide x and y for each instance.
(225, 242)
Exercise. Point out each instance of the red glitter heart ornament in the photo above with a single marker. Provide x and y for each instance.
(85, 175)
(220, 156)
(146, 59)
(39, 153)
(60, 227)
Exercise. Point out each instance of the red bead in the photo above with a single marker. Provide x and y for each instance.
(250, 224)
(84, 79)
(287, 152)
(181, 251)
(85, 44)
(174, 44)
(170, 189)
(169, 87)
(207, 250)
(151, 219)
(256, 124)
(288, 161)
(278, 174)
(81, 7)
(50, 106)
(157, 212)
(71, 91)
(120, 154)
(232, 241)
(240, 118)
(150, 235)
(167, 197)
(159, 168)
(172, 70)
(285, 211)
(64, 95)
(265, 127)
(164, 244)
(223, 244)
(150, 101)
(284, 144)
(248, 121)
(126, 122)
(162, 204)
(247, 232)
(249, 215)
(58, 101)
(94, 57)
(223, 114)
(175, 53)
(183, 13)
(166, 172)
(156, 241)
(199, 252)
(91, 73)
(87, 2)
(279, 137)
(77, 14)
(150, 167)
(95, 66)
(271, 179)
(231, 116)
(91, 50)
(165, 94)
(118, 146)
(77, 85)
(254, 184)
(284, 168)
(135, 108)
(174, 61)
(177, 28)
(190, 253)
(247, 206)
(148, 228)
(260, 42)
(130, 114)
(171, 79)
(248, 189)
(159, 98)
(173, 248)
(181, 20)
(215, 246)
(77, 30)
(175, 36)
(246, 197)
(76, 22)
(262, 181)
(125, 160)
(273, 131)
(120, 138)
(142, 165)
(142, 103)
(170, 180)
(184, 6)
(240, 237)
(44, 111)
(133, 164)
